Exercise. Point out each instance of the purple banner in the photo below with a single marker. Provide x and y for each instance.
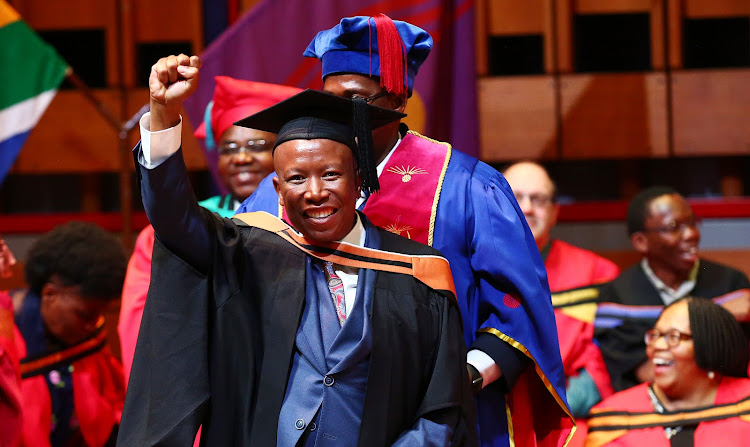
(266, 45)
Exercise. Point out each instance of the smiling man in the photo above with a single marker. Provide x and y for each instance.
(663, 228)
(328, 331)
(244, 160)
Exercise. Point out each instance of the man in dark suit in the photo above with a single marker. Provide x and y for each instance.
(326, 332)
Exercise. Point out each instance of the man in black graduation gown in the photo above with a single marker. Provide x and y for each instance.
(663, 228)
(247, 330)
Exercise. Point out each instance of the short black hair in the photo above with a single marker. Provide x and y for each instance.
(638, 208)
(79, 254)
(719, 342)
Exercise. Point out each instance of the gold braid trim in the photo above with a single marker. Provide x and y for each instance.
(561, 299)
(539, 372)
(436, 199)
(511, 439)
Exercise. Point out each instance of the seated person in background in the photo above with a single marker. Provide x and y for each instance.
(10, 376)
(700, 394)
(72, 385)
(346, 333)
(664, 230)
(568, 267)
(244, 160)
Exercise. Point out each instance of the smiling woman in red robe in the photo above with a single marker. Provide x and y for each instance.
(700, 394)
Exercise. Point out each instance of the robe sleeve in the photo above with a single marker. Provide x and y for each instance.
(514, 302)
(446, 414)
(173, 211)
(169, 384)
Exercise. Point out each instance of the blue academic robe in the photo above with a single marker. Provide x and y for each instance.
(502, 291)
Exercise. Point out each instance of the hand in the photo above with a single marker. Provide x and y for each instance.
(7, 260)
(173, 79)
(737, 303)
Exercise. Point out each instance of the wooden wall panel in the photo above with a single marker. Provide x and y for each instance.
(170, 20)
(481, 26)
(77, 14)
(72, 137)
(563, 41)
(710, 112)
(612, 6)
(716, 8)
(614, 116)
(517, 118)
(511, 17)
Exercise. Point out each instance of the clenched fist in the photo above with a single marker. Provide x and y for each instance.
(172, 80)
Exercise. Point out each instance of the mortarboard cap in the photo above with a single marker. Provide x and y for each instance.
(235, 99)
(312, 114)
(377, 46)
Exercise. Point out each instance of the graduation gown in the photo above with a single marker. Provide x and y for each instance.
(628, 419)
(501, 283)
(217, 340)
(630, 305)
(138, 277)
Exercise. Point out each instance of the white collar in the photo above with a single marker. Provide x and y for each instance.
(668, 294)
(357, 235)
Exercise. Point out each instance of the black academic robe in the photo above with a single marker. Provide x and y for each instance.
(623, 347)
(215, 347)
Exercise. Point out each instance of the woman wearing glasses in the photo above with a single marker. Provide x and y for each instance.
(700, 394)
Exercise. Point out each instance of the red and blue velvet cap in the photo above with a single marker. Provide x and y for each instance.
(373, 46)
(235, 99)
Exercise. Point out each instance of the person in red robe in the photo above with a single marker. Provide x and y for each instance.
(72, 389)
(570, 272)
(700, 393)
(10, 376)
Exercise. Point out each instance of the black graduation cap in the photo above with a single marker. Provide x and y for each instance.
(313, 114)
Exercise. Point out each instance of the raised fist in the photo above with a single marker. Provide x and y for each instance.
(172, 80)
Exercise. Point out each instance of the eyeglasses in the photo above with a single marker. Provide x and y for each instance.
(537, 200)
(370, 99)
(672, 337)
(675, 228)
(252, 146)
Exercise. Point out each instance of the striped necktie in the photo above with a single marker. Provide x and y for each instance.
(336, 286)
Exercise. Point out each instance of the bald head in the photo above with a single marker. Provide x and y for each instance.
(535, 192)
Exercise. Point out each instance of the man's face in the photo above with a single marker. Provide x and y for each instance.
(244, 159)
(68, 316)
(318, 187)
(671, 235)
(355, 85)
(534, 192)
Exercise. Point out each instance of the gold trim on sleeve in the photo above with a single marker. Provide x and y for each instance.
(539, 372)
